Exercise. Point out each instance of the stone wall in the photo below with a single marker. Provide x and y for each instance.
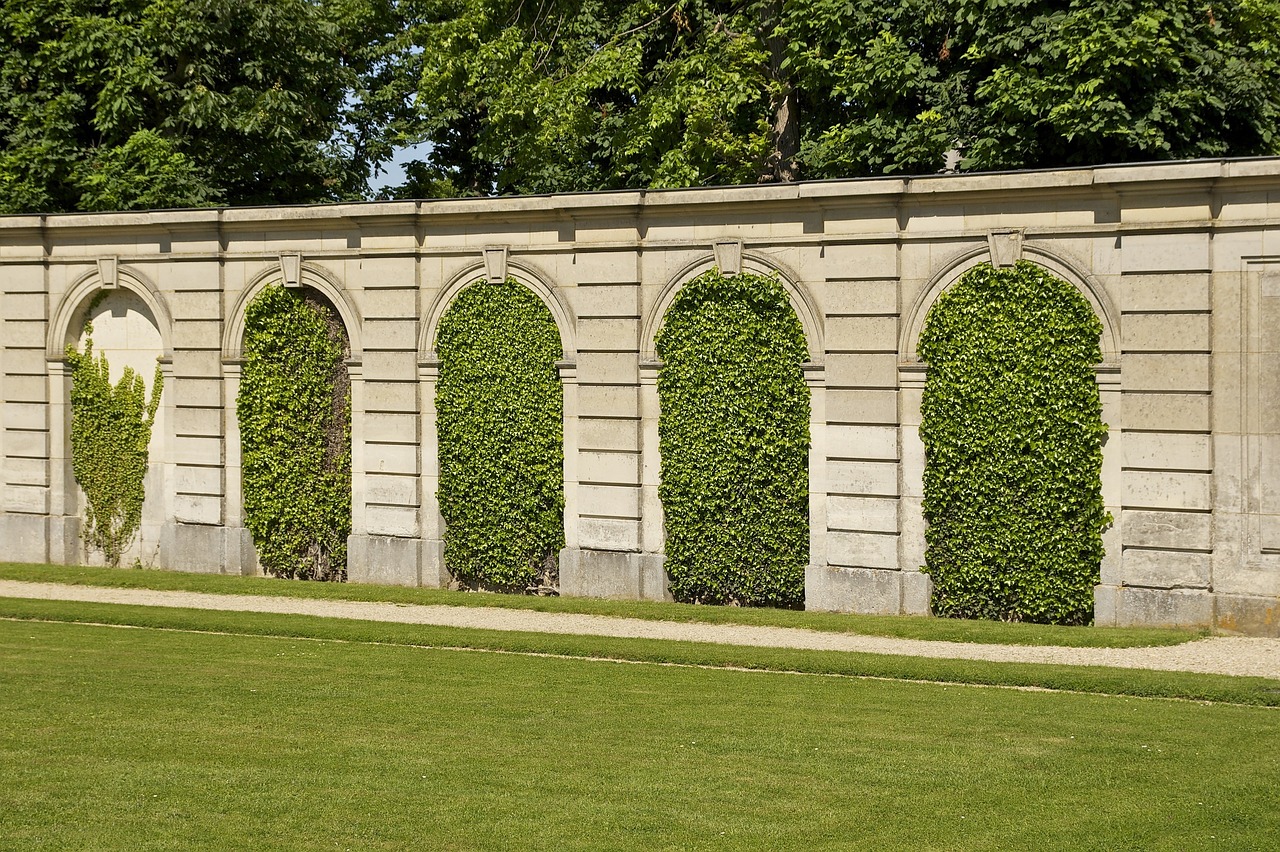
(1181, 262)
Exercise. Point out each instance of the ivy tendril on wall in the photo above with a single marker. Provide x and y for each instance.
(110, 431)
(734, 442)
(1012, 429)
(499, 421)
(294, 408)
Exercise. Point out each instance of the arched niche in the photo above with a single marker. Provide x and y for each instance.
(752, 262)
(331, 291)
(1054, 262)
(310, 276)
(132, 327)
(912, 374)
(68, 319)
(523, 273)
(430, 520)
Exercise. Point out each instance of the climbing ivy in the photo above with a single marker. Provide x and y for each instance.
(1013, 436)
(110, 431)
(734, 441)
(294, 409)
(499, 418)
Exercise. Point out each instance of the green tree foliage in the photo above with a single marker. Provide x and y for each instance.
(110, 432)
(121, 104)
(1033, 83)
(294, 409)
(1013, 437)
(734, 441)
(499, 420)
(559, 96)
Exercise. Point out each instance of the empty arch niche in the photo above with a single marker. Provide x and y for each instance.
(1012, 429)
(500, 429)
(733, 437)
(124, 331)
(294, 410)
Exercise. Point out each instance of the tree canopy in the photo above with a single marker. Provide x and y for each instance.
(118, 104)
(136, 103)
(553, 96)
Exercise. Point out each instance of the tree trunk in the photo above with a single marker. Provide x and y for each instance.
(782, 165)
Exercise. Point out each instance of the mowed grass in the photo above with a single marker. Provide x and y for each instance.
(902, 627)
(118, 738)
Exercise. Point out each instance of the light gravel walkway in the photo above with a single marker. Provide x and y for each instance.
(1220, 655)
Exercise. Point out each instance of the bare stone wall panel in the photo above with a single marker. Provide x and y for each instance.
(1168, 451)
(606, 301)
(608, 368)
(878, 443)
(1167, 372)
(1172, 291)
(613, 501)
(25, 415)
(862, 514)
(863, 550)
(195, 480)
(609, 468)
(875, 479)
(1167, 490)
(1155, 412)
(26, 388)
(862, 334)
(1166, 569)
(387, 490)
(862, 407)
(608, 335)
(609, 434)
(1173, 530)
(841, 297)
(1169, 332)
(19, 334)
(25, 471)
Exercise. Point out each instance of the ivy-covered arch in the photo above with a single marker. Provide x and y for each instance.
(734, 440)
(294, 410)
(1012, 429)
(500, 430)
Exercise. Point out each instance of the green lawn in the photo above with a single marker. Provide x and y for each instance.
(165, 739)
(904, 627)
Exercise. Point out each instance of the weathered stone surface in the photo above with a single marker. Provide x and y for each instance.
(1171, 530)
(1166, 569)
(863, 550)
(609, 533)
(1163, 607)
(608, 574)
(1252, 616)
(865, 590)
(25, 537)
(200, 548)
(385, 560)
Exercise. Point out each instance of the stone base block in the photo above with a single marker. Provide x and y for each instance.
(613, 574)
(864, 590)
(1140, 607)
(384, 560)
(1106, 606)
(1248, 615)
(917, 593)
(25, 538)
(66, 547)
(207, 549)
(434, 573)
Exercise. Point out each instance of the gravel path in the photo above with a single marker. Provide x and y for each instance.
(1219, 655)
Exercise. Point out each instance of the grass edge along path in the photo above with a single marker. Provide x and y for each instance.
(891, 626)
(1085, 679)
